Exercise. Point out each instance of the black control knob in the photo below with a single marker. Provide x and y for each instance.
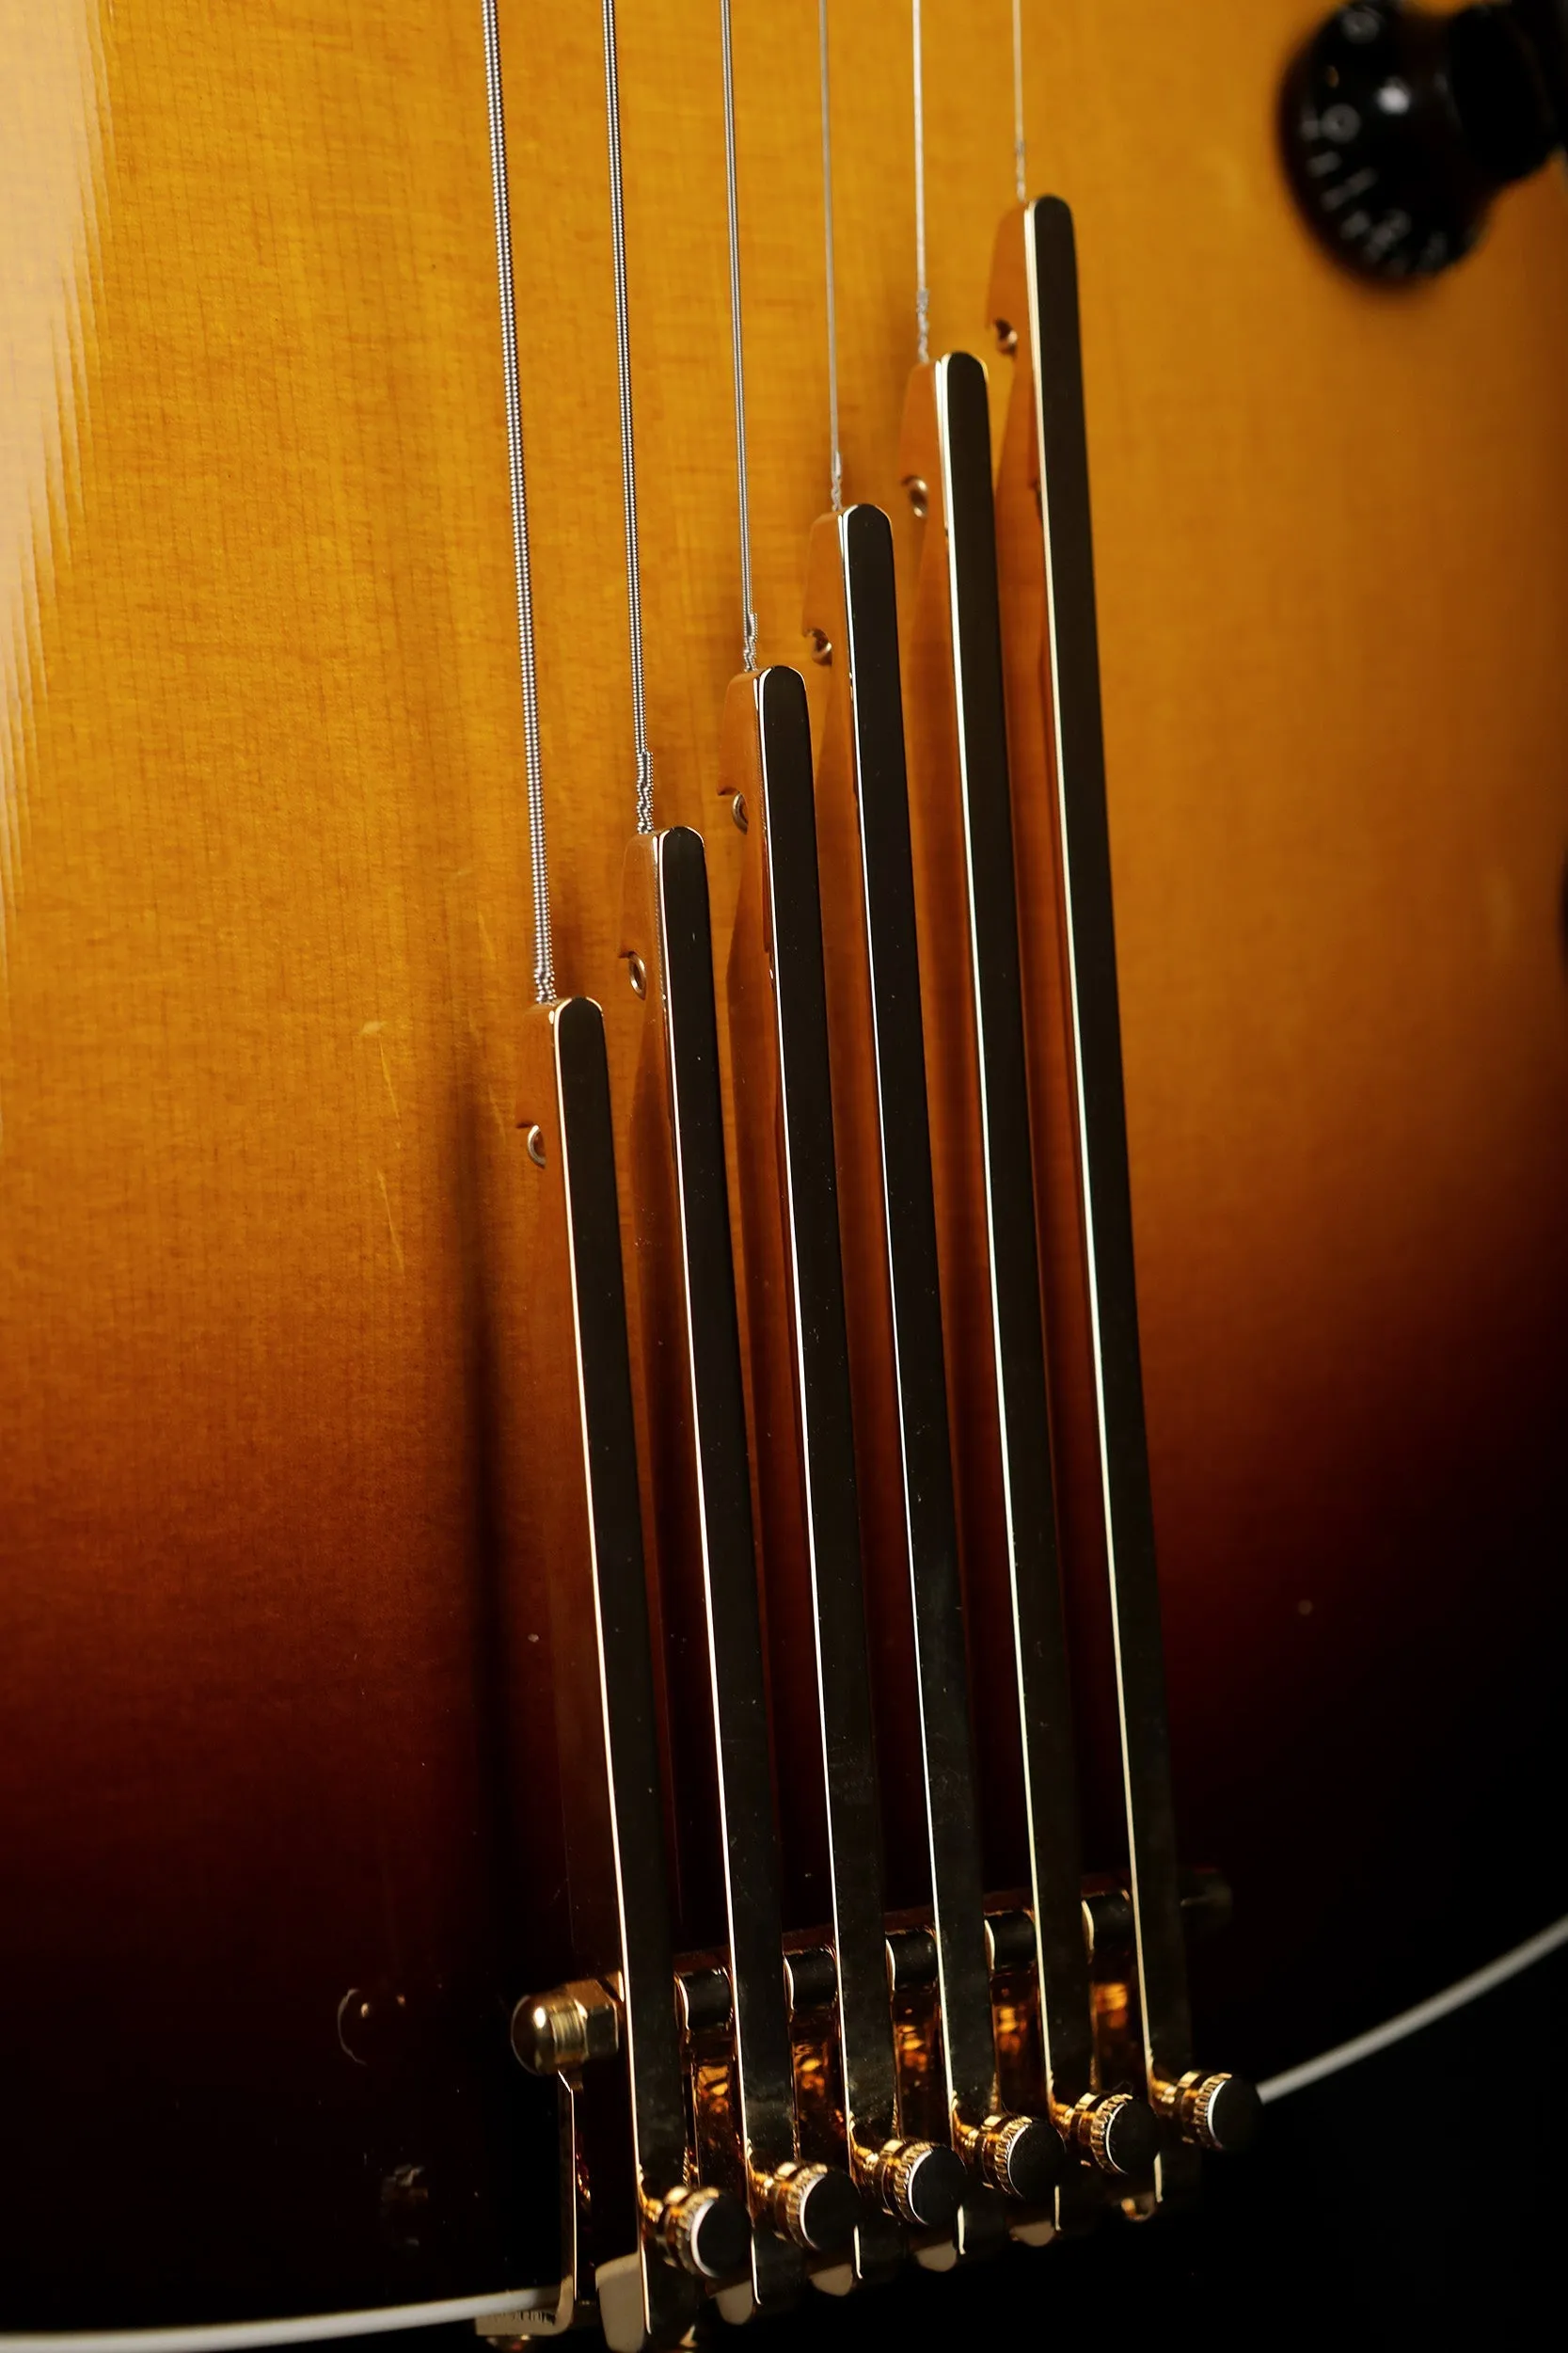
(1401, 126)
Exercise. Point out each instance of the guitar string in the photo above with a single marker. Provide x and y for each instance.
(543, 941)
(922, 290)
(748, 609)
(1020, 161)
(836, 460)
(628, 436)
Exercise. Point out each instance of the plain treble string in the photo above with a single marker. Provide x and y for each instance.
(743, 486)
(835, 457)
(628, 439)
(922, 290)
(544, 944)
(1021, 159)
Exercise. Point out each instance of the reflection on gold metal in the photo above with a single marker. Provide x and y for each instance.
(705, 2011)
(557, 2033)
(1113, 2022)
(923, 2109)
(810, 1984)
(1015, 2007)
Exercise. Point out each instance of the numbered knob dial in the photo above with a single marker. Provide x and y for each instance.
(1400, 126)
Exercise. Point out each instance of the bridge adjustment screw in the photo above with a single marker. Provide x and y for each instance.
(921, 2182)
(816, 2205)
(1023, 2157)
(1220, 2112)
(1123, 2138)
(1116, 2131)
(706, 2232)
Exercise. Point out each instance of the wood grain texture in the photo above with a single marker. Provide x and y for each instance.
(270, 1459)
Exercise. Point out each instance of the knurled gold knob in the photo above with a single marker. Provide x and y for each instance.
(921, 2182)
(1220, 2111)
(1021, 2155)
(816, 2205)
(705, 2232)
(1114, 2130)
(1122, 2135)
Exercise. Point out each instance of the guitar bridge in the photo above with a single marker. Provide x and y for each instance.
(929, 2210)
(836, 1687)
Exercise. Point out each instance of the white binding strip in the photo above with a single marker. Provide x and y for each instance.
(1425, 2013)
(232, 2336)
